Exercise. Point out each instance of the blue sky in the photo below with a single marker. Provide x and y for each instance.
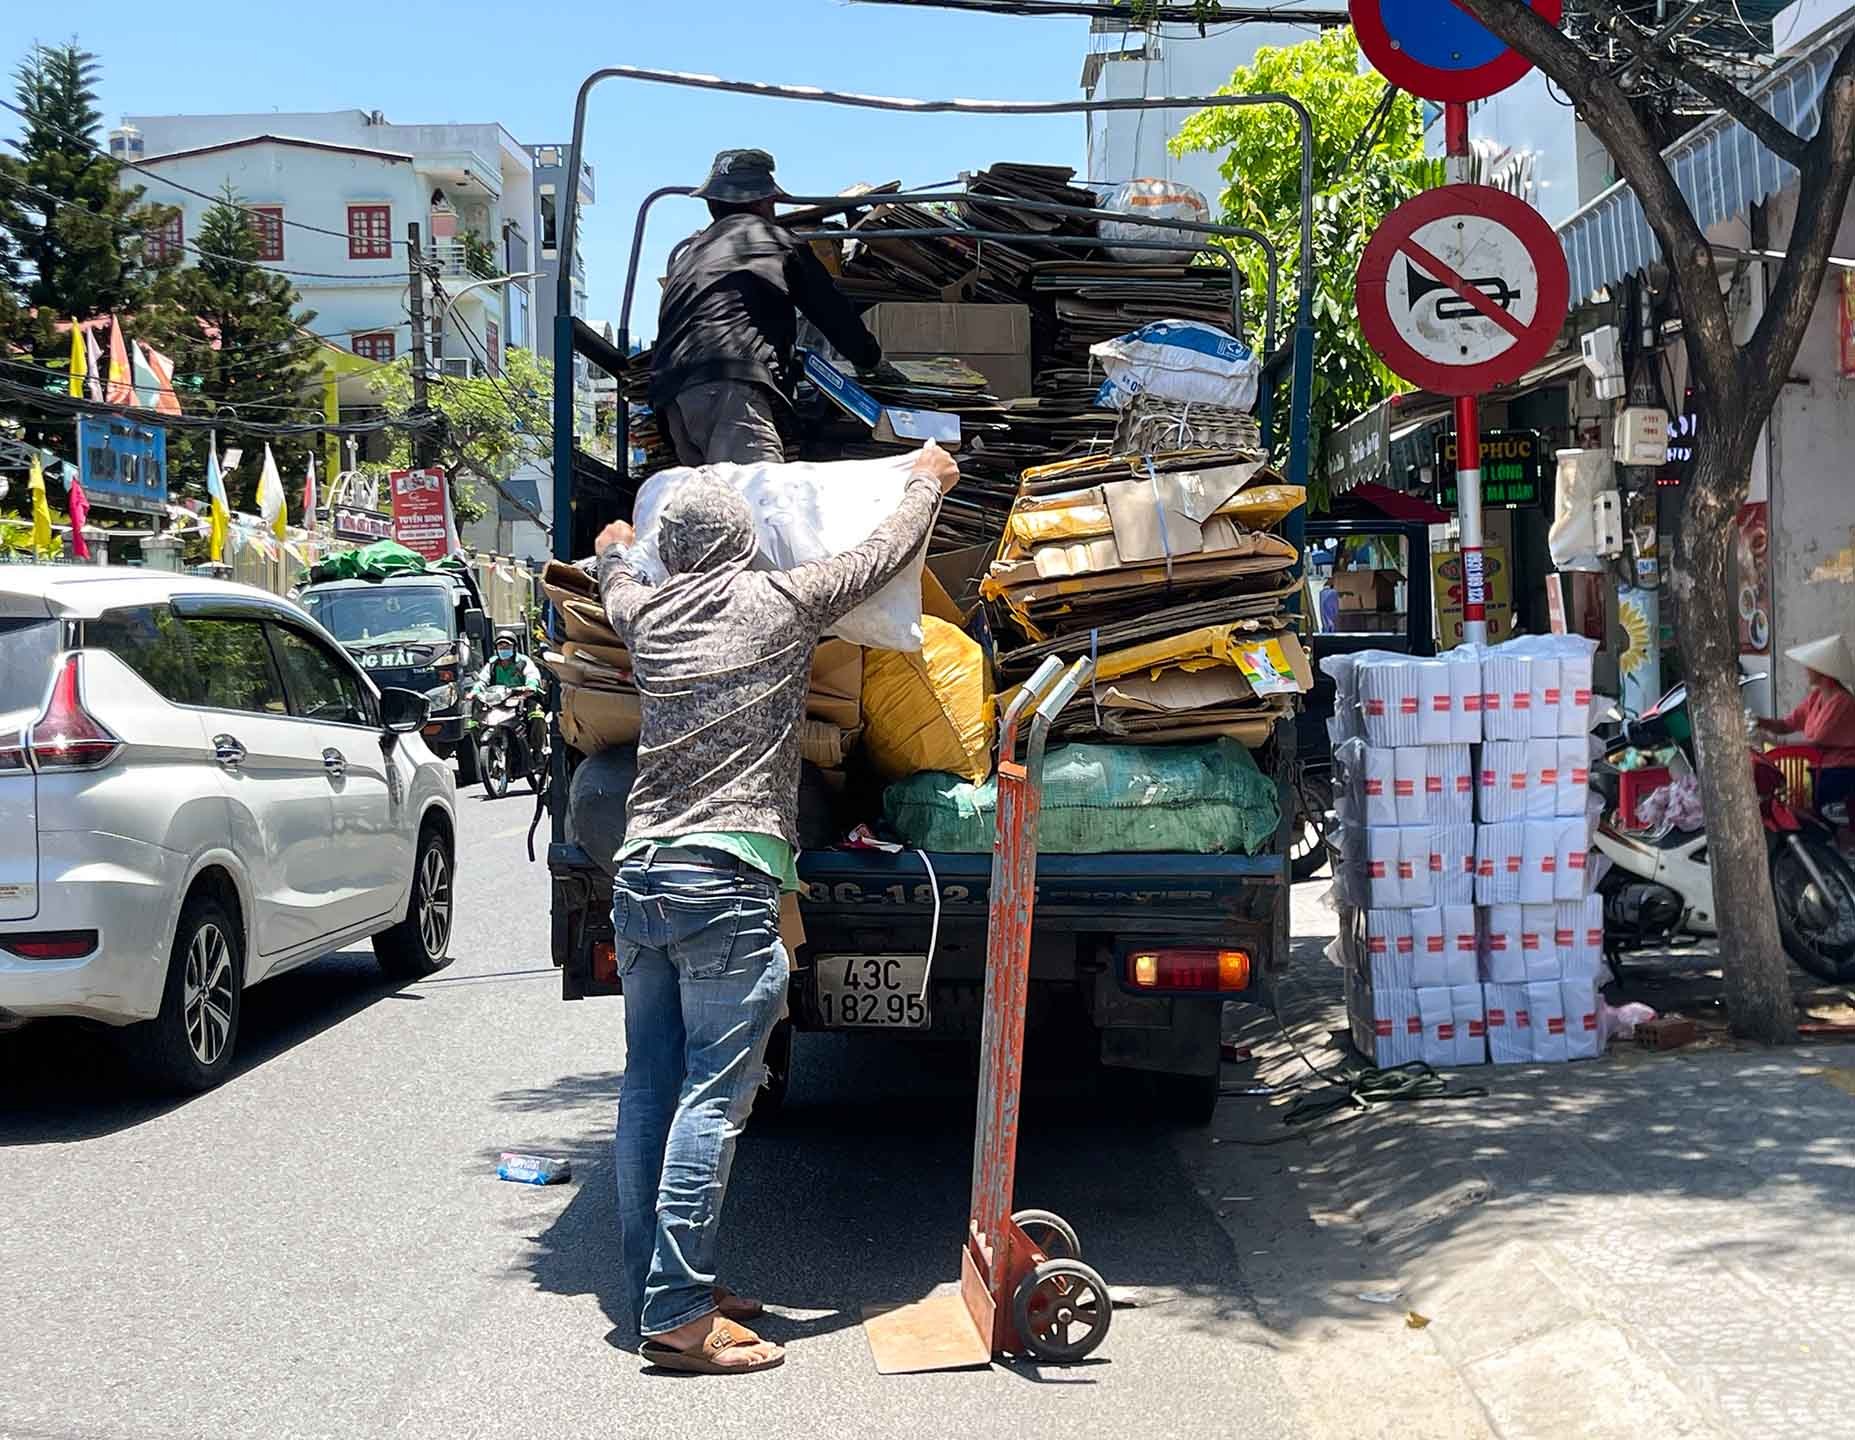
(460, 61)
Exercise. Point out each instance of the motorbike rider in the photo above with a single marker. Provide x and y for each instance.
(506, 667)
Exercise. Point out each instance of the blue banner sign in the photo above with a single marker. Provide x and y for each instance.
(123, 464)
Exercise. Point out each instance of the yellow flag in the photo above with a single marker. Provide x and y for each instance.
(78, 360)
(41, 512)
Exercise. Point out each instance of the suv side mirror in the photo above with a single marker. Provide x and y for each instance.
(403, 711)
(476, 627)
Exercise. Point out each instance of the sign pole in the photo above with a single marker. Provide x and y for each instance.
(1468, 425)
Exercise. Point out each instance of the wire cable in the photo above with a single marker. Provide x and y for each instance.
(97, 149)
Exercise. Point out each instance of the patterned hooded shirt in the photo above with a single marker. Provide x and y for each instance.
(722, 654)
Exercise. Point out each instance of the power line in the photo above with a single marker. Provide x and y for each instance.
(128, 227)
(60, 404)
(509, 398)
(97, 149)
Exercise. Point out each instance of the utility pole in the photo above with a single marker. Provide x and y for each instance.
(424, 443)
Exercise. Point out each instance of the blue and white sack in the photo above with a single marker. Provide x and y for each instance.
(1179, 360)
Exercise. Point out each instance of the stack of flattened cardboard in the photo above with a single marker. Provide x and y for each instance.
(1167, 571)
(599, 705)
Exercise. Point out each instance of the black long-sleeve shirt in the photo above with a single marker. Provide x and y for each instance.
(730, 310)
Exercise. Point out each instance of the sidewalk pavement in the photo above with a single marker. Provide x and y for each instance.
(1650, 1244)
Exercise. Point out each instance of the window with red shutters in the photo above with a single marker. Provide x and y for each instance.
(267, 225)
(493, 336)
(370, 232)
(165, 242)
(377, 346)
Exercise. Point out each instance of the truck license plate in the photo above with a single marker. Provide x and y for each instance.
(879, 992)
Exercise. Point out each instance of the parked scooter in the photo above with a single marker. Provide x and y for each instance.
(1660, 886)
(511, 740)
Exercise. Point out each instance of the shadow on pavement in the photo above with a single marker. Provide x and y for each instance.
(858, 1192)
(67, 1080)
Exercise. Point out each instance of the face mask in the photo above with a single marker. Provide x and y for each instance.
(503, 652)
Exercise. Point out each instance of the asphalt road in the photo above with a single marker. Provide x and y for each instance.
(321, 1248)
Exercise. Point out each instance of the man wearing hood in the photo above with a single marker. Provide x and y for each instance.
(722, 653)
(723, 369)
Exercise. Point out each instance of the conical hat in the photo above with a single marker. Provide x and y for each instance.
(1829, 656)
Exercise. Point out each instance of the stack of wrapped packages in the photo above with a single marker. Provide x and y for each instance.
(1470, 924)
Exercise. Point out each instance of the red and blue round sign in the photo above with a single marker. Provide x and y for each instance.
(1437, 50)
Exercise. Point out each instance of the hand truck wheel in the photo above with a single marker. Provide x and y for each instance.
(1050, 1233)
(1062, 1310)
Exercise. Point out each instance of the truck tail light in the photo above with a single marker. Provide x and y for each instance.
(50, 944)
(1201, 968)
(67, 736)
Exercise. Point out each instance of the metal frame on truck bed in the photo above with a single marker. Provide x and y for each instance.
(1094, 911)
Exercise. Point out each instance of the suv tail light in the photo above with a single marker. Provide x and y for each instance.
(1192, 968)
(68, 737)
(50, 944)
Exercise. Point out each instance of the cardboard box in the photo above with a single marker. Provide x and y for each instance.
(1375, 590)
(836, 693)
(994, 339)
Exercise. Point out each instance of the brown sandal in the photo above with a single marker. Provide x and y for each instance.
(736, 1307)
(705, 1359)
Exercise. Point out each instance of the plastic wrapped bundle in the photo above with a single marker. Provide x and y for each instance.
(1097, 799)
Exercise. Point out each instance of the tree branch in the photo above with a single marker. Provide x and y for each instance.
(1823, 180)
(1786, 144)
(1606, 109)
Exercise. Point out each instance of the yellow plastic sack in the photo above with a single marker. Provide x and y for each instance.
(931, 711)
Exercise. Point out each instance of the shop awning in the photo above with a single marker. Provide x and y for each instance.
(1718, 165)
(1361, 450)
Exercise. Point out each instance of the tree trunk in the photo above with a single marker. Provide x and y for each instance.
(1758, 989)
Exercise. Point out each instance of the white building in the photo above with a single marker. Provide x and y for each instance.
(361, 182)
(1130, 61)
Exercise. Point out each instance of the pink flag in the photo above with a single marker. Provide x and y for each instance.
(78, 504)
(121, 381)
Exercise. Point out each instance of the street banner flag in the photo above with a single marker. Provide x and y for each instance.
(78, 503)
(94, 375)
(309, 505)
(41, 512)
(271, 505)
(167, 401)
(121, 383)
(79, 361)
(221, 519)
(147, 384)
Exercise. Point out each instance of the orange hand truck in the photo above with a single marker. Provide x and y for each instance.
(1023, 1287)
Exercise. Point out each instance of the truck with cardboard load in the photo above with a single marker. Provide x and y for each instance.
(1134, 953)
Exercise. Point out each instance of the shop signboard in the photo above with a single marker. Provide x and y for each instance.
(418, 512)
(1446, 577)
(358, 522)
(1513, 469)
(123, 464)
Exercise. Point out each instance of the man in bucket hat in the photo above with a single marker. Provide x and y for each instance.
(723, 371)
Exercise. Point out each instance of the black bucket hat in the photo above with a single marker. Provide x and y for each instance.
(740, 177)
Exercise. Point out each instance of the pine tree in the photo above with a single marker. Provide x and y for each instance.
(76, 236)
(265, 367)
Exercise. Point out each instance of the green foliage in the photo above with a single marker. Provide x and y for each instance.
(492, 427)
(265, 366)
(84, 256)
(1368, 158)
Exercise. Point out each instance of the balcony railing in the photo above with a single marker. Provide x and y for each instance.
(463, 258)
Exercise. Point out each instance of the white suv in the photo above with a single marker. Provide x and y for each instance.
(199, 789)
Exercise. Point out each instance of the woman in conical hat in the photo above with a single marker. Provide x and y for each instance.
(1826, 718)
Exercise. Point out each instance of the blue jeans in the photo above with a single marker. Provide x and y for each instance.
(705, 982)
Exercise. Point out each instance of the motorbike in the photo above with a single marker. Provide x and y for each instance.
(510, 741)
(1659, 888)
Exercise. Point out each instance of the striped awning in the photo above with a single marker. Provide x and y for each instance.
(1718, 165)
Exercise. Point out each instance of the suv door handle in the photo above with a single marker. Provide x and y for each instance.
(335, 763)
(227, 751)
